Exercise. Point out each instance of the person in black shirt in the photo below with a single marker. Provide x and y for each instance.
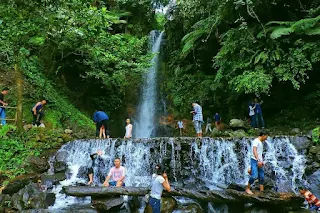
(3, 93)
(97, 161)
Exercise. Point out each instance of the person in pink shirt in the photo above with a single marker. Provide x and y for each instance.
(116, 176)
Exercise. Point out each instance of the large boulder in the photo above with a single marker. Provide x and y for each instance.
(168, 204)
(107, 204)
(31, 197)
(37, 164)
(301, 142)
(50, 180)
(236, 123)
(240, 133)
(19, 182)
(190, 208)
(59, 166)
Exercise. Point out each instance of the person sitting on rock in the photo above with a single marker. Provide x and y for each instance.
(117, 175)
(313, 201)
(96, 161)
(37, 112)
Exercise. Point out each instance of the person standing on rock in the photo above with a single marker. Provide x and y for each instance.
(37, 112)
(97, 161)
(252, 115)
(117, 175)
(197, 118)
(217, 120)
(160, 182)
(256, 162)
(3, 104)
(258, 113)
(180, 126)
(129, 128)
(101, 120)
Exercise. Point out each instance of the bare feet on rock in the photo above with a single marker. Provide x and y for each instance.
(249, 192)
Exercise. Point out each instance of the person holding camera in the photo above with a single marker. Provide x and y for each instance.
(159, 183)
(256, 162)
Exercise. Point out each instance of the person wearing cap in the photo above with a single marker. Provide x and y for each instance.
(197, 118)
(256, 162)
(129, 127)
(3, 104)
(37, 112)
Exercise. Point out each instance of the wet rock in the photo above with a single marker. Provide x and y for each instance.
(295, 131)
(62, 156)
(37, 164)
(59, 166)
(19, 182)
(301, 143)
(31, 197)
(191, 208)
(4, 199)
(50, 180)
(107, 204)
(314, 150)
(68, 131)
(314, 181)
(27, 127)
(236, 123)
(168, 204)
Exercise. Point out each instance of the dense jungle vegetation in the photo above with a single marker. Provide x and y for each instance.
(85, 55)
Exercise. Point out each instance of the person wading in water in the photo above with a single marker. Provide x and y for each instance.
(256, 162)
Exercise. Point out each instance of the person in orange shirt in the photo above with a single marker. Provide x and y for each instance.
(313, 201)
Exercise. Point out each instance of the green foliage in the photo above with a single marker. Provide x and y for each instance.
(316, 134)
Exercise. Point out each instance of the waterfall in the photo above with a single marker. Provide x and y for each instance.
(191, 163)
(145, 122)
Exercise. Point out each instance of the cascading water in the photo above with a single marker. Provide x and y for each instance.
(206, 163)
(146, 123)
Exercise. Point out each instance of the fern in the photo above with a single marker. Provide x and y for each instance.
(314, 31)
(190, 39)
(305, 24)
(281, 31)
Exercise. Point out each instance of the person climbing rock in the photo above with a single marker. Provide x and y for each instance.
(3, 104)
(197, 118)
(101, 120)
(159, 183)
(256, 162)
(117, 175)
(313, 201)
(180, 126)
(258, 113)
(97, 161)
(37, 112)
(129, 127)
(217, 120)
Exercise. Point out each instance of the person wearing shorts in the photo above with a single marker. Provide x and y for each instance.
(102, 123)
(117, 175)
(197, 118)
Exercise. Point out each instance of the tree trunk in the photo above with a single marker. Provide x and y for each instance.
(19, 84)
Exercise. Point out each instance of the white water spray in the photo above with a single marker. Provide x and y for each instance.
(146, 123)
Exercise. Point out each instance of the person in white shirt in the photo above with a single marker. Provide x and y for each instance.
(252, 114)
(256, 162)
(180, 126)
(160, 182)
(129, 127)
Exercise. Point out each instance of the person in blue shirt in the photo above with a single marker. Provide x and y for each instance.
(37, 112)
(102, 123)
(217, 120)
(258, 113)
(3, 104)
